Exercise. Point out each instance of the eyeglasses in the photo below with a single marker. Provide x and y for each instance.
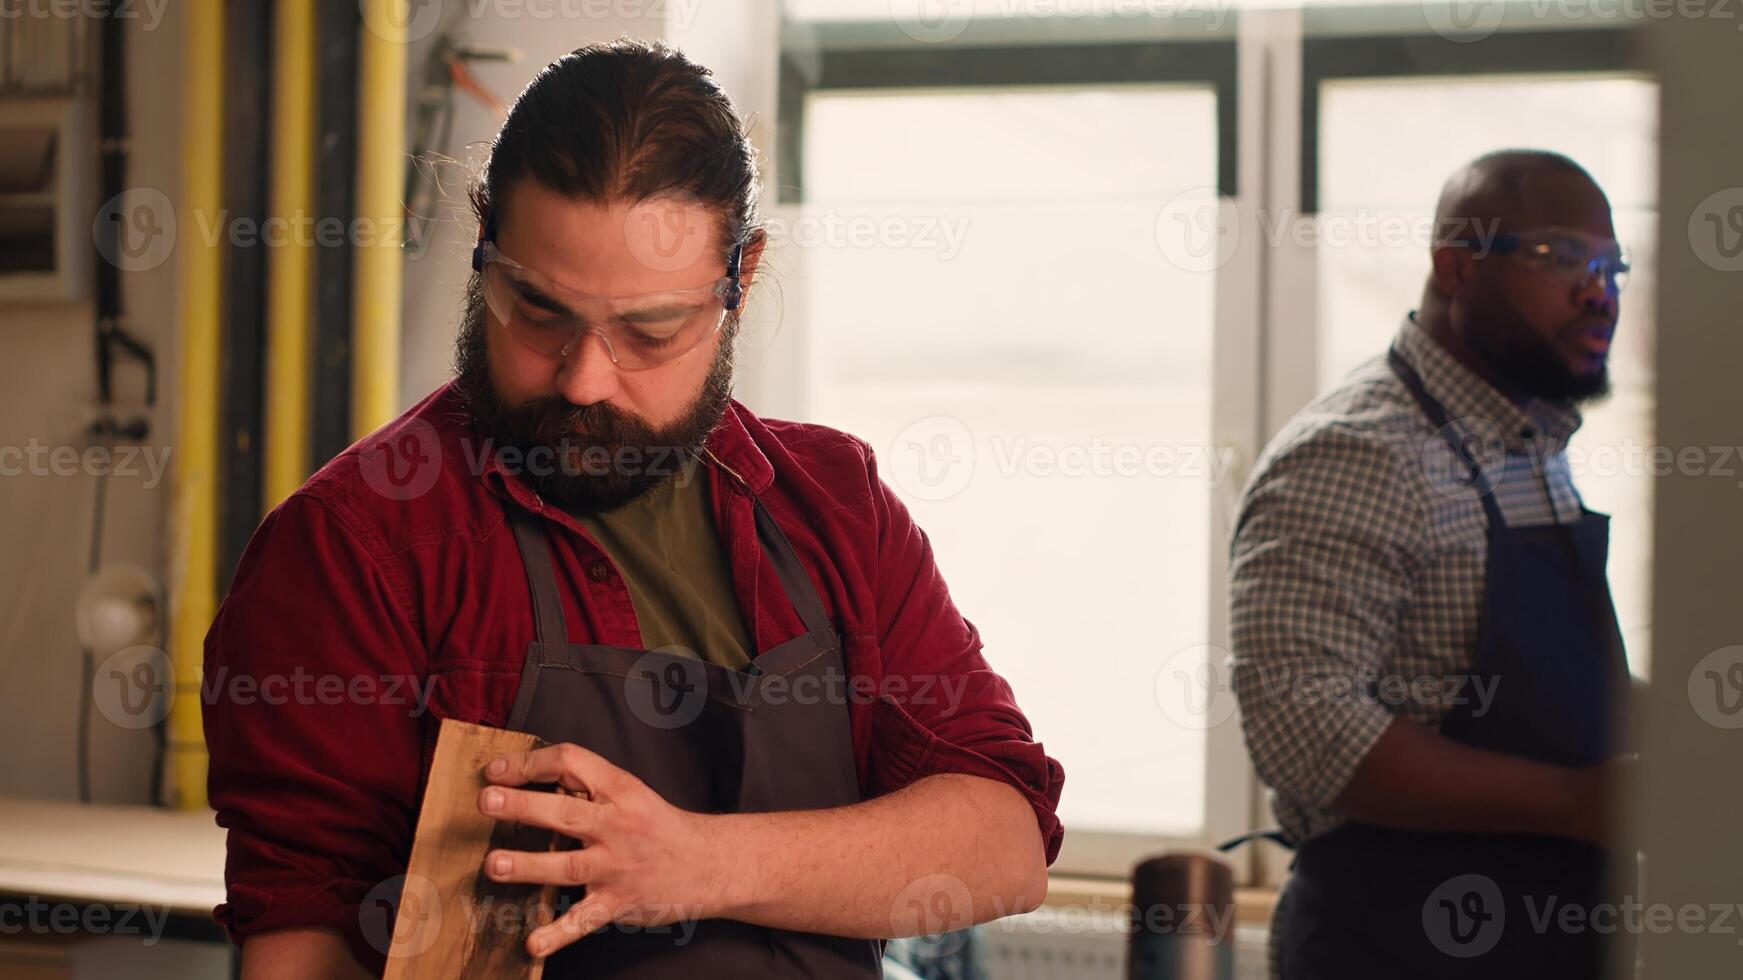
(639, 332)
(1561, 254)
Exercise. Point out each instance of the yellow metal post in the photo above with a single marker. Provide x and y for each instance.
(194, 520)
(381, 138)
(286, 436)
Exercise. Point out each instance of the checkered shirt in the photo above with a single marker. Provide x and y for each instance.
(1358, 560)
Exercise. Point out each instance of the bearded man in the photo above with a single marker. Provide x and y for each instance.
(780, 739)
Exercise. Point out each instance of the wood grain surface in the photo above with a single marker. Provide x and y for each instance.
(453, 921)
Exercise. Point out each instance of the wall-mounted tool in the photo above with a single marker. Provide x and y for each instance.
(448, 69)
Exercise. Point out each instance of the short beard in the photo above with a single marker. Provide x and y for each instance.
(584, 458)
(1529, 365)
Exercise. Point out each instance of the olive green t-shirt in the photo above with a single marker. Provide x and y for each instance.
(665, 545)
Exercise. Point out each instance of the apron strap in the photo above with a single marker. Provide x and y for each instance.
(550, 626)
(535, 553)
(1437, 415)
(795, 581)
(1275, 836)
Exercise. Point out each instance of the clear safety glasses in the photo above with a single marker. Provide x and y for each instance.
(1561, 254)
(639, 332)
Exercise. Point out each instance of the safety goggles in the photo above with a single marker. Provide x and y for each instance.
(639, 332)
(1561, 254)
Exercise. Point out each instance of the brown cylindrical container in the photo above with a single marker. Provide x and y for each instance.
(1183, 918)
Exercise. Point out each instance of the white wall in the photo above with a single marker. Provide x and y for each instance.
(434, 280)
(48, 388)
(738, 41)
(47, 392)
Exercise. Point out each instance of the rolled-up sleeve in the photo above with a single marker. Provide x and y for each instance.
(1321, 570)
(312, 716)
(942, 708)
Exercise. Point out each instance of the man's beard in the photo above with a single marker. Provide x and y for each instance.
(1527, 363)
(585, 458)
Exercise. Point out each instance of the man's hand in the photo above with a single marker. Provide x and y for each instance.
(1417, 779)
(644, 861)
(1598, 792)
(947, 839)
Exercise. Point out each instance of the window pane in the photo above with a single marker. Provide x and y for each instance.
(1386, 147)
(1038, 393)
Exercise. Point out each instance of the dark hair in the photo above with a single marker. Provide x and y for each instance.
(626, 121)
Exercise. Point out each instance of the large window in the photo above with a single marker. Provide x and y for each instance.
(1035, 374)
(1038, 387)
(1053, 279)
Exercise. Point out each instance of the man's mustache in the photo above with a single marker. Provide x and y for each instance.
(557, 422)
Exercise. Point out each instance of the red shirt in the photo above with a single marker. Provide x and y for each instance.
(387, 593)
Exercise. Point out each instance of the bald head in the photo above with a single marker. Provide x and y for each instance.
(1517, 318)
(1511, 190)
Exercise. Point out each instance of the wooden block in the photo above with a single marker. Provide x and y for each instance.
(454, 921)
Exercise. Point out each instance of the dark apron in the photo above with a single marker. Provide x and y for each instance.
(707, 739)
(1372, 902)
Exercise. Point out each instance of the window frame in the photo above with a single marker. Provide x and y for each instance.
(813, 69)
(810, 62)
(1402, 56)
(1267, 69)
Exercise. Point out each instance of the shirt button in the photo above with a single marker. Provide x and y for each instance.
(597, 571)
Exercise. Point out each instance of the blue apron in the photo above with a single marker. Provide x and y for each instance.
(1373, 902)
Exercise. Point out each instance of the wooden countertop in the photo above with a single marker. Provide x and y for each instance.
(112, 854)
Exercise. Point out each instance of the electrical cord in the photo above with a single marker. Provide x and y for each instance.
(89, 667)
